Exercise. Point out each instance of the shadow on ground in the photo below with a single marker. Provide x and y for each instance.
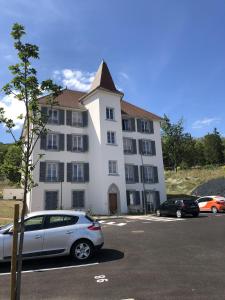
(103, 255)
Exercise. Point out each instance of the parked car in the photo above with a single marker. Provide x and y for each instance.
(55, 233)
(178, 208)
(211, 203)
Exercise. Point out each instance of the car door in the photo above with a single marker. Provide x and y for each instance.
(172, 207)
(33, 238)
(202, 203)
(58, 232)
(164, 208)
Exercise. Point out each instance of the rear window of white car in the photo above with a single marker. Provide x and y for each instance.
(60, 221)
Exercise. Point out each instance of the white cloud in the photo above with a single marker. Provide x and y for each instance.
(204, 123)
(124, 75)
(13, 108)
(74, 79)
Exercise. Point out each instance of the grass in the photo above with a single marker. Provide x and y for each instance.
(7, 210)
(185, 181)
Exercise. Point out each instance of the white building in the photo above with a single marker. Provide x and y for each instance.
(102, 153)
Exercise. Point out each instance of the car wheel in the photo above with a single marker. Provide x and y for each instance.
(158, 213)
(82, 250)
(214, 210)
(195, 215)
(179, 213)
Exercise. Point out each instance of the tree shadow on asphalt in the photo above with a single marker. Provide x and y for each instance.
(39, 264)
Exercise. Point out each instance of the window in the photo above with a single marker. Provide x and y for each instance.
(35, 223)
(145, 126)
(53, 116)
(52, 171)
(127, 145)
(129, 173)
(149, 174)
(52, 141)
(60, 221)
(77, 118)
(112, 167)
(111, 137)
(133, 198)
(126, 125)
(77, 143)
(78, 172)
(51, 200)
(78, 199)
(110, 113)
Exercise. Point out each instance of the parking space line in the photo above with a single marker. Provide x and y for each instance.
(53, 269)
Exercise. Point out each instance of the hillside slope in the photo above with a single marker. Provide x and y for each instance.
(186, 181)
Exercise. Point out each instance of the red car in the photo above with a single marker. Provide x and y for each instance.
(211, 203)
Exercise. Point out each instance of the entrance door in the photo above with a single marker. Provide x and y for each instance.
(113, 203)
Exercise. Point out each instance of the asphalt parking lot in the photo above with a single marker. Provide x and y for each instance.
(143, 258)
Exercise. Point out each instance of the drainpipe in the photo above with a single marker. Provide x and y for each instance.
(145, 212)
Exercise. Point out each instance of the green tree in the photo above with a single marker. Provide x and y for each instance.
(12, 164)
(213, 148)
(26, 89)
(188, 151)
(172, 142)
(199, 152)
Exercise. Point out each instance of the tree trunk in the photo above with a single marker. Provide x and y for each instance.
(20, 258)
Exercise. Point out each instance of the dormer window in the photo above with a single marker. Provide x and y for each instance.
(110, 115)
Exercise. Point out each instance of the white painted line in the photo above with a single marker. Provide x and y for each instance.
(101, 221)
(121, 224)
(53, 269)
(110, 223)
(137, 231)
(128, 299)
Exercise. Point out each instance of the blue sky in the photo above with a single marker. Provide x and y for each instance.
(167, 56)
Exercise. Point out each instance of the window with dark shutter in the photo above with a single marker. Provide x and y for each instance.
(156, 179)
(140, 146)
(85, 143)
(61, 172)
(136, 177)
(69, 172)
(137, 198)
(86, 172)
(69, 142)
(134, 146)
(78, 199)
(85, 118)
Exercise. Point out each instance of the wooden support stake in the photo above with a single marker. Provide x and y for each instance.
(14, 252)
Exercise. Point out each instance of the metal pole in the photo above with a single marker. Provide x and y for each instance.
(61, 196)
(14, 252)
(145, 212)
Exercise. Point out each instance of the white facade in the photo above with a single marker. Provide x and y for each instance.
(101, 193)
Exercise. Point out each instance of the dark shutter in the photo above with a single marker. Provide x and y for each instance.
(42, 171)
(134, 146)
(153, 148)
(156, 179)
(61, 142)
(51, 200)
(85, 143)
(151, 127)
(69, 117)
(43, 141)
(139, 125)
(61, 172)
(69, 142)
(132, 121)
(142, 173)
(137, 198)
(136, 177)
(86, 172)
(44, 114)
(85, 118)
(140, 146)
(156, 203)
(128, 198)
(61, 117)
(69, 172)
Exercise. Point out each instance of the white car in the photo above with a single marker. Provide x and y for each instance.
(55, 233)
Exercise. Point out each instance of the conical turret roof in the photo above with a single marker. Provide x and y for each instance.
(103, 79)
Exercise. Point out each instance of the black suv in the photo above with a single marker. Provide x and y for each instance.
(179, 208)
